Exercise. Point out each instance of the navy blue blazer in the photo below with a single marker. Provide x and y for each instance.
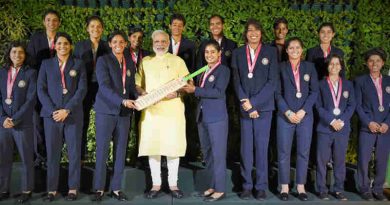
(110, 94)
(144, 53)
(50, 87)
(286, 94)
(38, 49)
(316, 56)
(282, 55)
(325, 106)
(260, 90)
(187, 52)
(212, 104)
(227, 47)
(367, 102)
(83, 51)
(24, 96)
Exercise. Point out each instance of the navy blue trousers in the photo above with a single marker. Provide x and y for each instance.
(285, 136)
(367, 143)
(116, 128)
(335, 144)
(255, 135)
(213, 141)
(55, 134)
(23, 138)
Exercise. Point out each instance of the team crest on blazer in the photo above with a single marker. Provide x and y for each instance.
(265, 61)
(228, 53)
(73, 73)
(388, 89)
(306, 77)
(21, 84)
(346, 94)
(128, 73)
(211, 78)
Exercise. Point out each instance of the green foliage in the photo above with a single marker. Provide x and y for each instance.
(357, 29)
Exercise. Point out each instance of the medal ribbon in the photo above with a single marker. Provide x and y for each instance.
(206, 74)
(378, 86)
(251, 64)
(62, 69)
(124, 73)
(134, 58)
(336, 97)
(328, 52)
(296, 76)
(11, 81)
(178, 47)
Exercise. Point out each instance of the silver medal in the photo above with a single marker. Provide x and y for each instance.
(250, 75)
(336, 111)
(64, 91)
(298, 95)
(381, 108)
(8, 101)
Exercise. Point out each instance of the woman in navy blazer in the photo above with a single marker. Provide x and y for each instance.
(255, 68)
(17, 100)
(212, 119)
(89, 51)
(319, 54)
(296, 96)
(335, 106)
(113, 106)
(373, 99)
(61, 90)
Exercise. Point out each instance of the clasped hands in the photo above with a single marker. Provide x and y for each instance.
(295, 117)
(246, 105)
(378, 128)
(337, 125)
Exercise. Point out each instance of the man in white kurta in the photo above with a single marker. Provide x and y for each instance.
(162, 125)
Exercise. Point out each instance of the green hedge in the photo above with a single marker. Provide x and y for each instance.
(359, 25)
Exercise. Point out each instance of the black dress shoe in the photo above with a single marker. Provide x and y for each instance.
(120, 196)
(283, 196)
(25, 197)
(203, 194)
(98, 196)
(49, 197)
(71, 197)
(260, 195)
(4, 196)
(379, 196)
(323, 196)
(211, 198)
(303, 196)
(152, 194)
(340, 196)
(367, 196)
(246, 194)
(178, 194)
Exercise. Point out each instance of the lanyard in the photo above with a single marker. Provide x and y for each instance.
(207, 73)
(11, 81)
(251, 64)
(336, 97)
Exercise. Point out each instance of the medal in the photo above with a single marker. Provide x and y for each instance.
(251, 64)
(378, 86)
(381, 108)
(64, 91)
(124, 90)
(8, 101)
(336, 111)
(250, 75)
(298, 95)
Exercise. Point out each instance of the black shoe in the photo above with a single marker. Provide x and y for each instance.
(283, 196)
(246, 194)
(178, 194)
(4, 196)
(367, 196)
(203, 194)
(323, 196)
(303, 196)
(340, 196)
(49, 197)
(98, 196)
(71, 197)
(152, 194)
(25, 197)
(120, 196)
(379, 196)
(260, 195)
(212, 199)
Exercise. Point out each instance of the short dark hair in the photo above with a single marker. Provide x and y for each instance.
(94, 18)
(65, 35)
(329, 59)
(115, 33)
(288, 42)
(375, 51)
(179, 17)
(15, 44)
(134, 29)
(279, 21)
(213, 43)
(326, 24)
(254, 23)
(217, 16)
(51, 11)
